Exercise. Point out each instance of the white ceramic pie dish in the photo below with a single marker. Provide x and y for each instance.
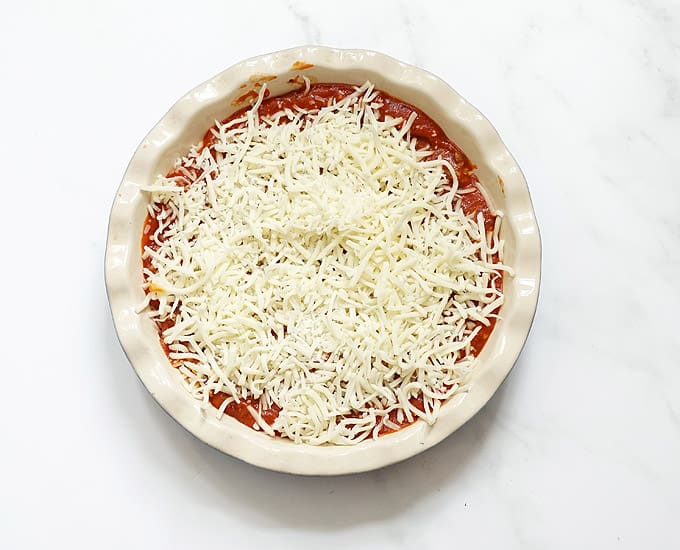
(185, 124)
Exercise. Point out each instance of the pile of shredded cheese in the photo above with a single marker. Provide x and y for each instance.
(320, 262)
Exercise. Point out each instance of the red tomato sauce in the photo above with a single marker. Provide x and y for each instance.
(427, 133)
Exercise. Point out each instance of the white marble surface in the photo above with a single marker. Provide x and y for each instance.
(581, 446)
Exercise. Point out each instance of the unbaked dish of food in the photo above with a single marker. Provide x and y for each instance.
(322, 261)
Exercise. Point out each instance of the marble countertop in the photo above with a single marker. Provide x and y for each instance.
(580, 448)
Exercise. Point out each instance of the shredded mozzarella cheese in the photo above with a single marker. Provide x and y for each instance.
(321, 263)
